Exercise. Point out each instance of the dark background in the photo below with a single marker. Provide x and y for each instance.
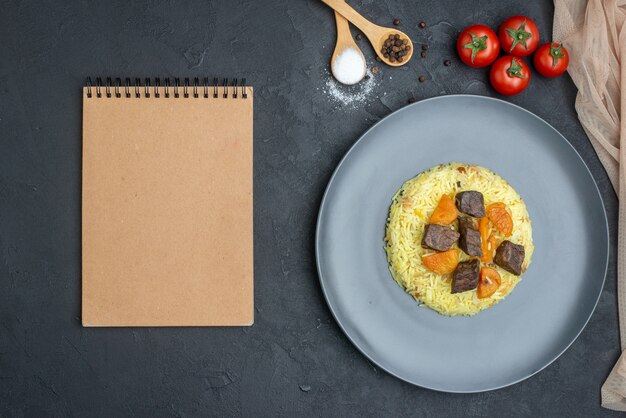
(294, 361)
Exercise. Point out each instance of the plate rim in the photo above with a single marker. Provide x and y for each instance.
(321, 213)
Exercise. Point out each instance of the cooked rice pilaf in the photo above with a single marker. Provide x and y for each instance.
(409, 213)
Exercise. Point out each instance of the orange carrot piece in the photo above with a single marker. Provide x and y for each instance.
(445, 212)
(442, 263)
(487, 240)
(501, 218)
(488, 282)
(489, 249)
(484, 227)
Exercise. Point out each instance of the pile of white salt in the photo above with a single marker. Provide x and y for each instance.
(349, 66)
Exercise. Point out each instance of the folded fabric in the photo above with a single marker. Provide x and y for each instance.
(593, 32)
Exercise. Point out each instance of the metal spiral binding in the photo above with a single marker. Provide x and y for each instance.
(157, 90)
(152, 87)
(147, 94)
(98, 84)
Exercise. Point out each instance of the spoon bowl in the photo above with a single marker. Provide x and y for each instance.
(380, 42)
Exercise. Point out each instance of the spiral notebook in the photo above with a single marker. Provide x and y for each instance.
(167, 203)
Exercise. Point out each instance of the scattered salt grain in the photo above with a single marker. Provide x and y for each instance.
(351, 96)
(349, 66)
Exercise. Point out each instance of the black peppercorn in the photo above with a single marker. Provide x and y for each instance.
(422, 78)
(422, 25)
(396, 22)
(359, 37)
(395, 48)
(424, 47)
(447, 63)
(423, 54)
(412, 100)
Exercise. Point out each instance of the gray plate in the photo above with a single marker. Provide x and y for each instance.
(547, 310)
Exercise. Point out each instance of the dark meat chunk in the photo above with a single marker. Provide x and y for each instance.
(510, 257)
(470, 240)
(466, 276)
(466, 222)
(471, 203)
(439, 237)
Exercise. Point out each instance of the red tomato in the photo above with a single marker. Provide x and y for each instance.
(509, 75)
(551, 59)
(478, 46)
(519, 36)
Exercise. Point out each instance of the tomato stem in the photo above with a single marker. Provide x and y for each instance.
(477, 44)
(515, 70)
(519, 35)
(556, 52)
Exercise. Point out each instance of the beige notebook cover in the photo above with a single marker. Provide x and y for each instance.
(167, 206)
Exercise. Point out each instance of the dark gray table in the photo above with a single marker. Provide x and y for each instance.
(294, 361)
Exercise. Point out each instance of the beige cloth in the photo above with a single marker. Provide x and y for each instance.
(594, 33)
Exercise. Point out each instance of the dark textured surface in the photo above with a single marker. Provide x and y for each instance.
(294, 360)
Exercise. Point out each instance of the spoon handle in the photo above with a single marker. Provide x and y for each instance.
(343, 30)
(353, 16)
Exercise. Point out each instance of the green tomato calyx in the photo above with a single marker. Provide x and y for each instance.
(477, 44)
(556, 50)
(519, 35)
(515, 70)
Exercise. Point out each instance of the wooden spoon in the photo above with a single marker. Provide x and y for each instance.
(344, 42)
(377, 35)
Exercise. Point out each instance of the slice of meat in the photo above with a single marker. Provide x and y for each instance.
(439, 237)
(466, 276)
(510, 257)
(469, 240)
(471, 203)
